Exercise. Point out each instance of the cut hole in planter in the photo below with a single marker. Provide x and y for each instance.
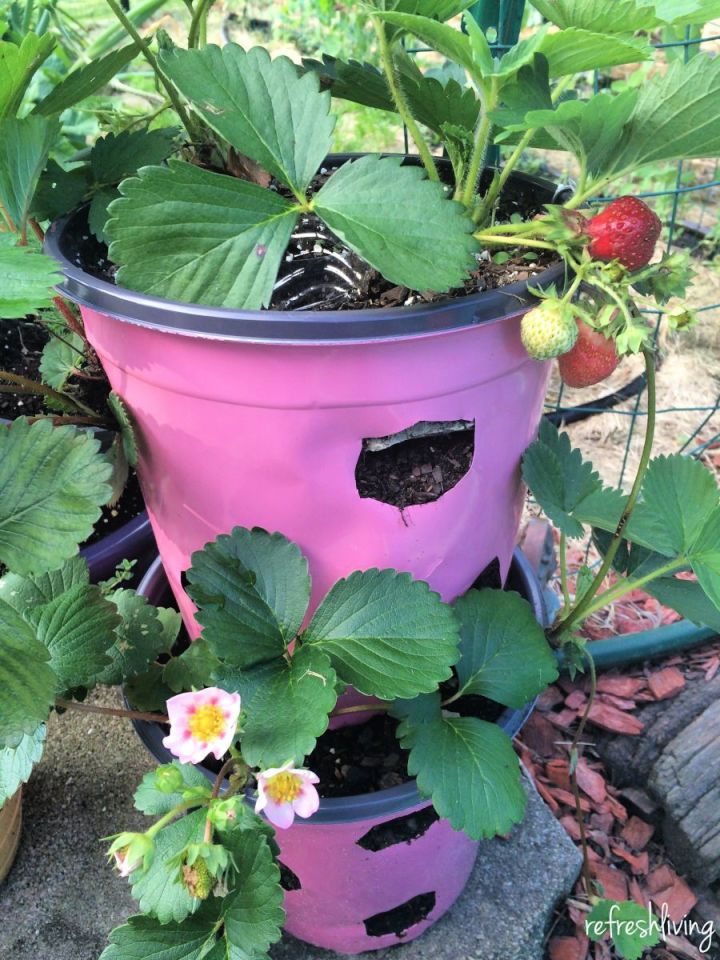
(416, 465)
(401, 918)
(401, 830)
(490, 578)
(288, 879)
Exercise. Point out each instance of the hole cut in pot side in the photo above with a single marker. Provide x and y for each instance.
(400, 919)
(400, 830)
(288, 879)
(417, 465)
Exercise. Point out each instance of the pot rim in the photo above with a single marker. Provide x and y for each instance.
(382, 804)
(297, 327)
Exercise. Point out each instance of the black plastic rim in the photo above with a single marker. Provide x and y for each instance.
(294, 327)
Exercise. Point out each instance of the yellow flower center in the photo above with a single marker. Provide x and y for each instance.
(283, 787)
(207, 723)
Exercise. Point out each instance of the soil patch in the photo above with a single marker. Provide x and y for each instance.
(129, 506)
(415, 471)
(21, 346)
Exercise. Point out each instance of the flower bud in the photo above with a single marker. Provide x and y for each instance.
(131, 851)
(168, 778)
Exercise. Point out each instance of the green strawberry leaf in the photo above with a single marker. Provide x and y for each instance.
(575, 50)
(26, 594)
(78, 628)
(85, 81)
(194, 667)
(61, 358)
(604, 16)
(628, 924)
(53, 481)
(140, 637)
(678, 496)
(467, 766)
(16, 763)
(399, 240)
(158, 890)
(24, 148)
(262, 107)
(289, 709)
(559, 478)
(27, 681)
(119, 155)
(145, 938)
(505, 655)
(232, 262)
(18, 65)
(252, 912)
(386, 634)
(26, 281)
(446, 40)
(59, 191)
(688, 599)
(252, 588)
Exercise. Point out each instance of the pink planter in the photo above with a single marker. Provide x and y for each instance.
(257, 419)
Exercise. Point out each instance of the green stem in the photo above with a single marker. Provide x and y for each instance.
(171, 814)
(563, 571)
(153, 61)
(401, 102)
(213, 796)
(499, 181)
(198, 24)
(585, 605)
(624, 586)
(482, 138)
(517, 241)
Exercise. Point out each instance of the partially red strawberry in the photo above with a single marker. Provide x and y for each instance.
(627, 230)
(592, 359)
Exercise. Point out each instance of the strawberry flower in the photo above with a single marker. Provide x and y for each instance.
(286, 791)
(130, 851)
(202, 722)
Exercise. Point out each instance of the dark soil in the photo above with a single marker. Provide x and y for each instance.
(21, 345)
(415, 471)
(129, 506)
(367, 758)
(320, 273)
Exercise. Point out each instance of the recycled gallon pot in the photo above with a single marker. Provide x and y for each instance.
(374, 870)
(257, 418)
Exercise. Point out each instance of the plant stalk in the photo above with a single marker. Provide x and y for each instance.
(482, 137)
(401, 101)
(586, 605)
(111, 711)
(35, 388)
(153, 61)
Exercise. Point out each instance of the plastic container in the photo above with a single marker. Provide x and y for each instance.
(257, 418)
(347, 888)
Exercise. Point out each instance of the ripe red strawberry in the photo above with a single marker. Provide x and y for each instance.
(627, 230)
(592, 359)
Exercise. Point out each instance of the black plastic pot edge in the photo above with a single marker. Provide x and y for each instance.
(383, 803)
(294, 327)
(133, 541)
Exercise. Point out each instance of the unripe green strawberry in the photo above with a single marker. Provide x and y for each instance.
(548, 330)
